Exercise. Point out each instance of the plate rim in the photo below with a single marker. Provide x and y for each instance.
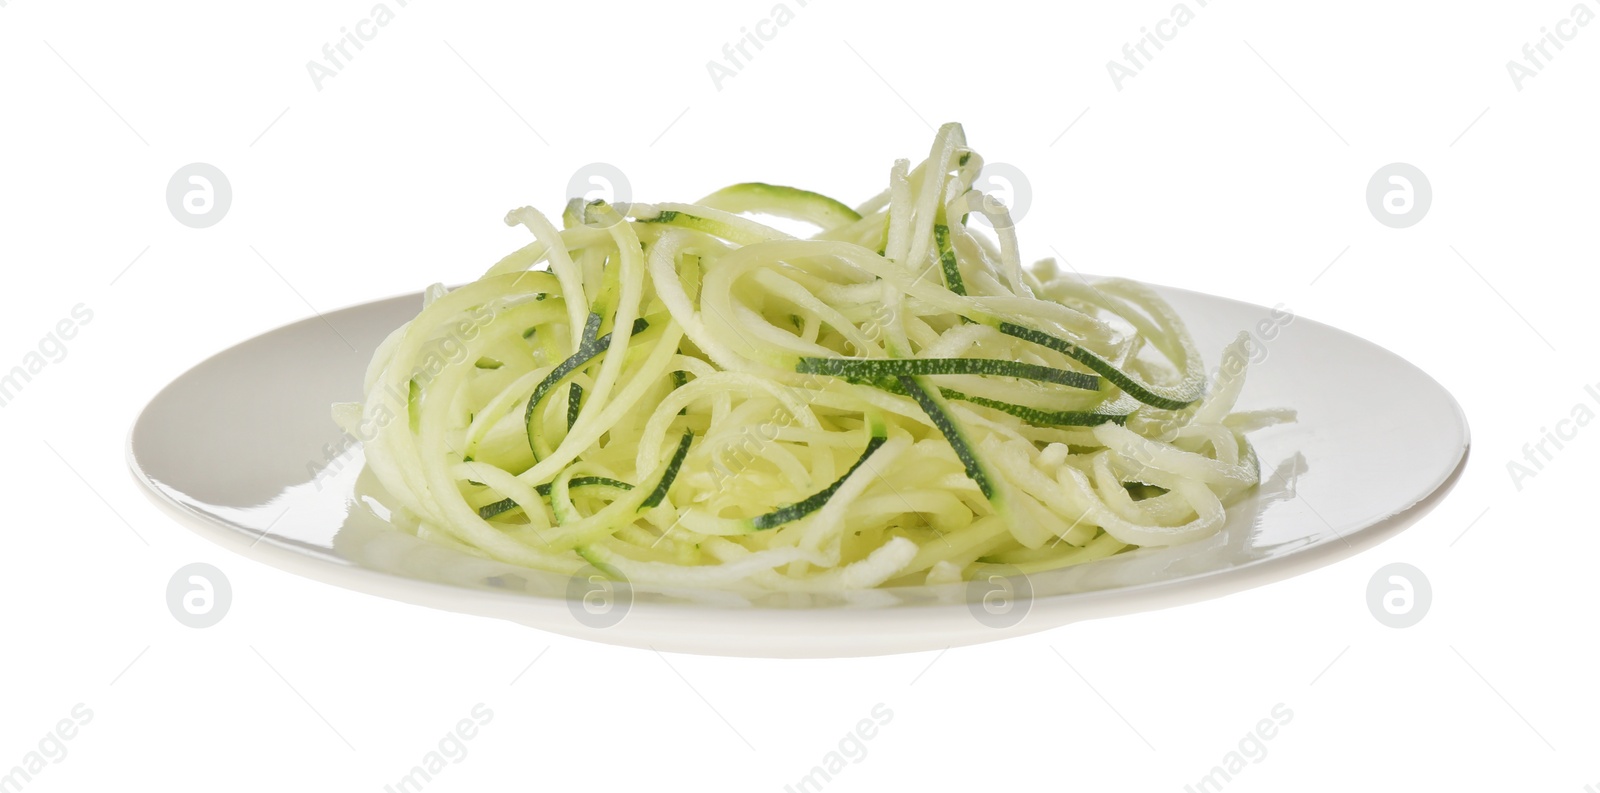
(1065, 607)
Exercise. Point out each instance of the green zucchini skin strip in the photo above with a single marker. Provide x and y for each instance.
(606, 569)
(679, 380)
(716, 228)
(813, 502)
(587, 481)
(952, 435)
(886, 368)
(947, 260)
(574, 404)
(413, 396)
(488, 511)
(586, 353)
(1116, 411)
(1154, 396)
(660, 493)
(790, 202)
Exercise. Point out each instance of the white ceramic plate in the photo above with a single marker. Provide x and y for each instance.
(242, 450)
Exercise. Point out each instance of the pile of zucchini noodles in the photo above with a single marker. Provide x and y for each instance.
(681, 396)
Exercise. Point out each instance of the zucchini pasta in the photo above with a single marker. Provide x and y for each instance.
(681, 395)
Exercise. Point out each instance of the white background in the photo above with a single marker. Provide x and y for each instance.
(1235, 163)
